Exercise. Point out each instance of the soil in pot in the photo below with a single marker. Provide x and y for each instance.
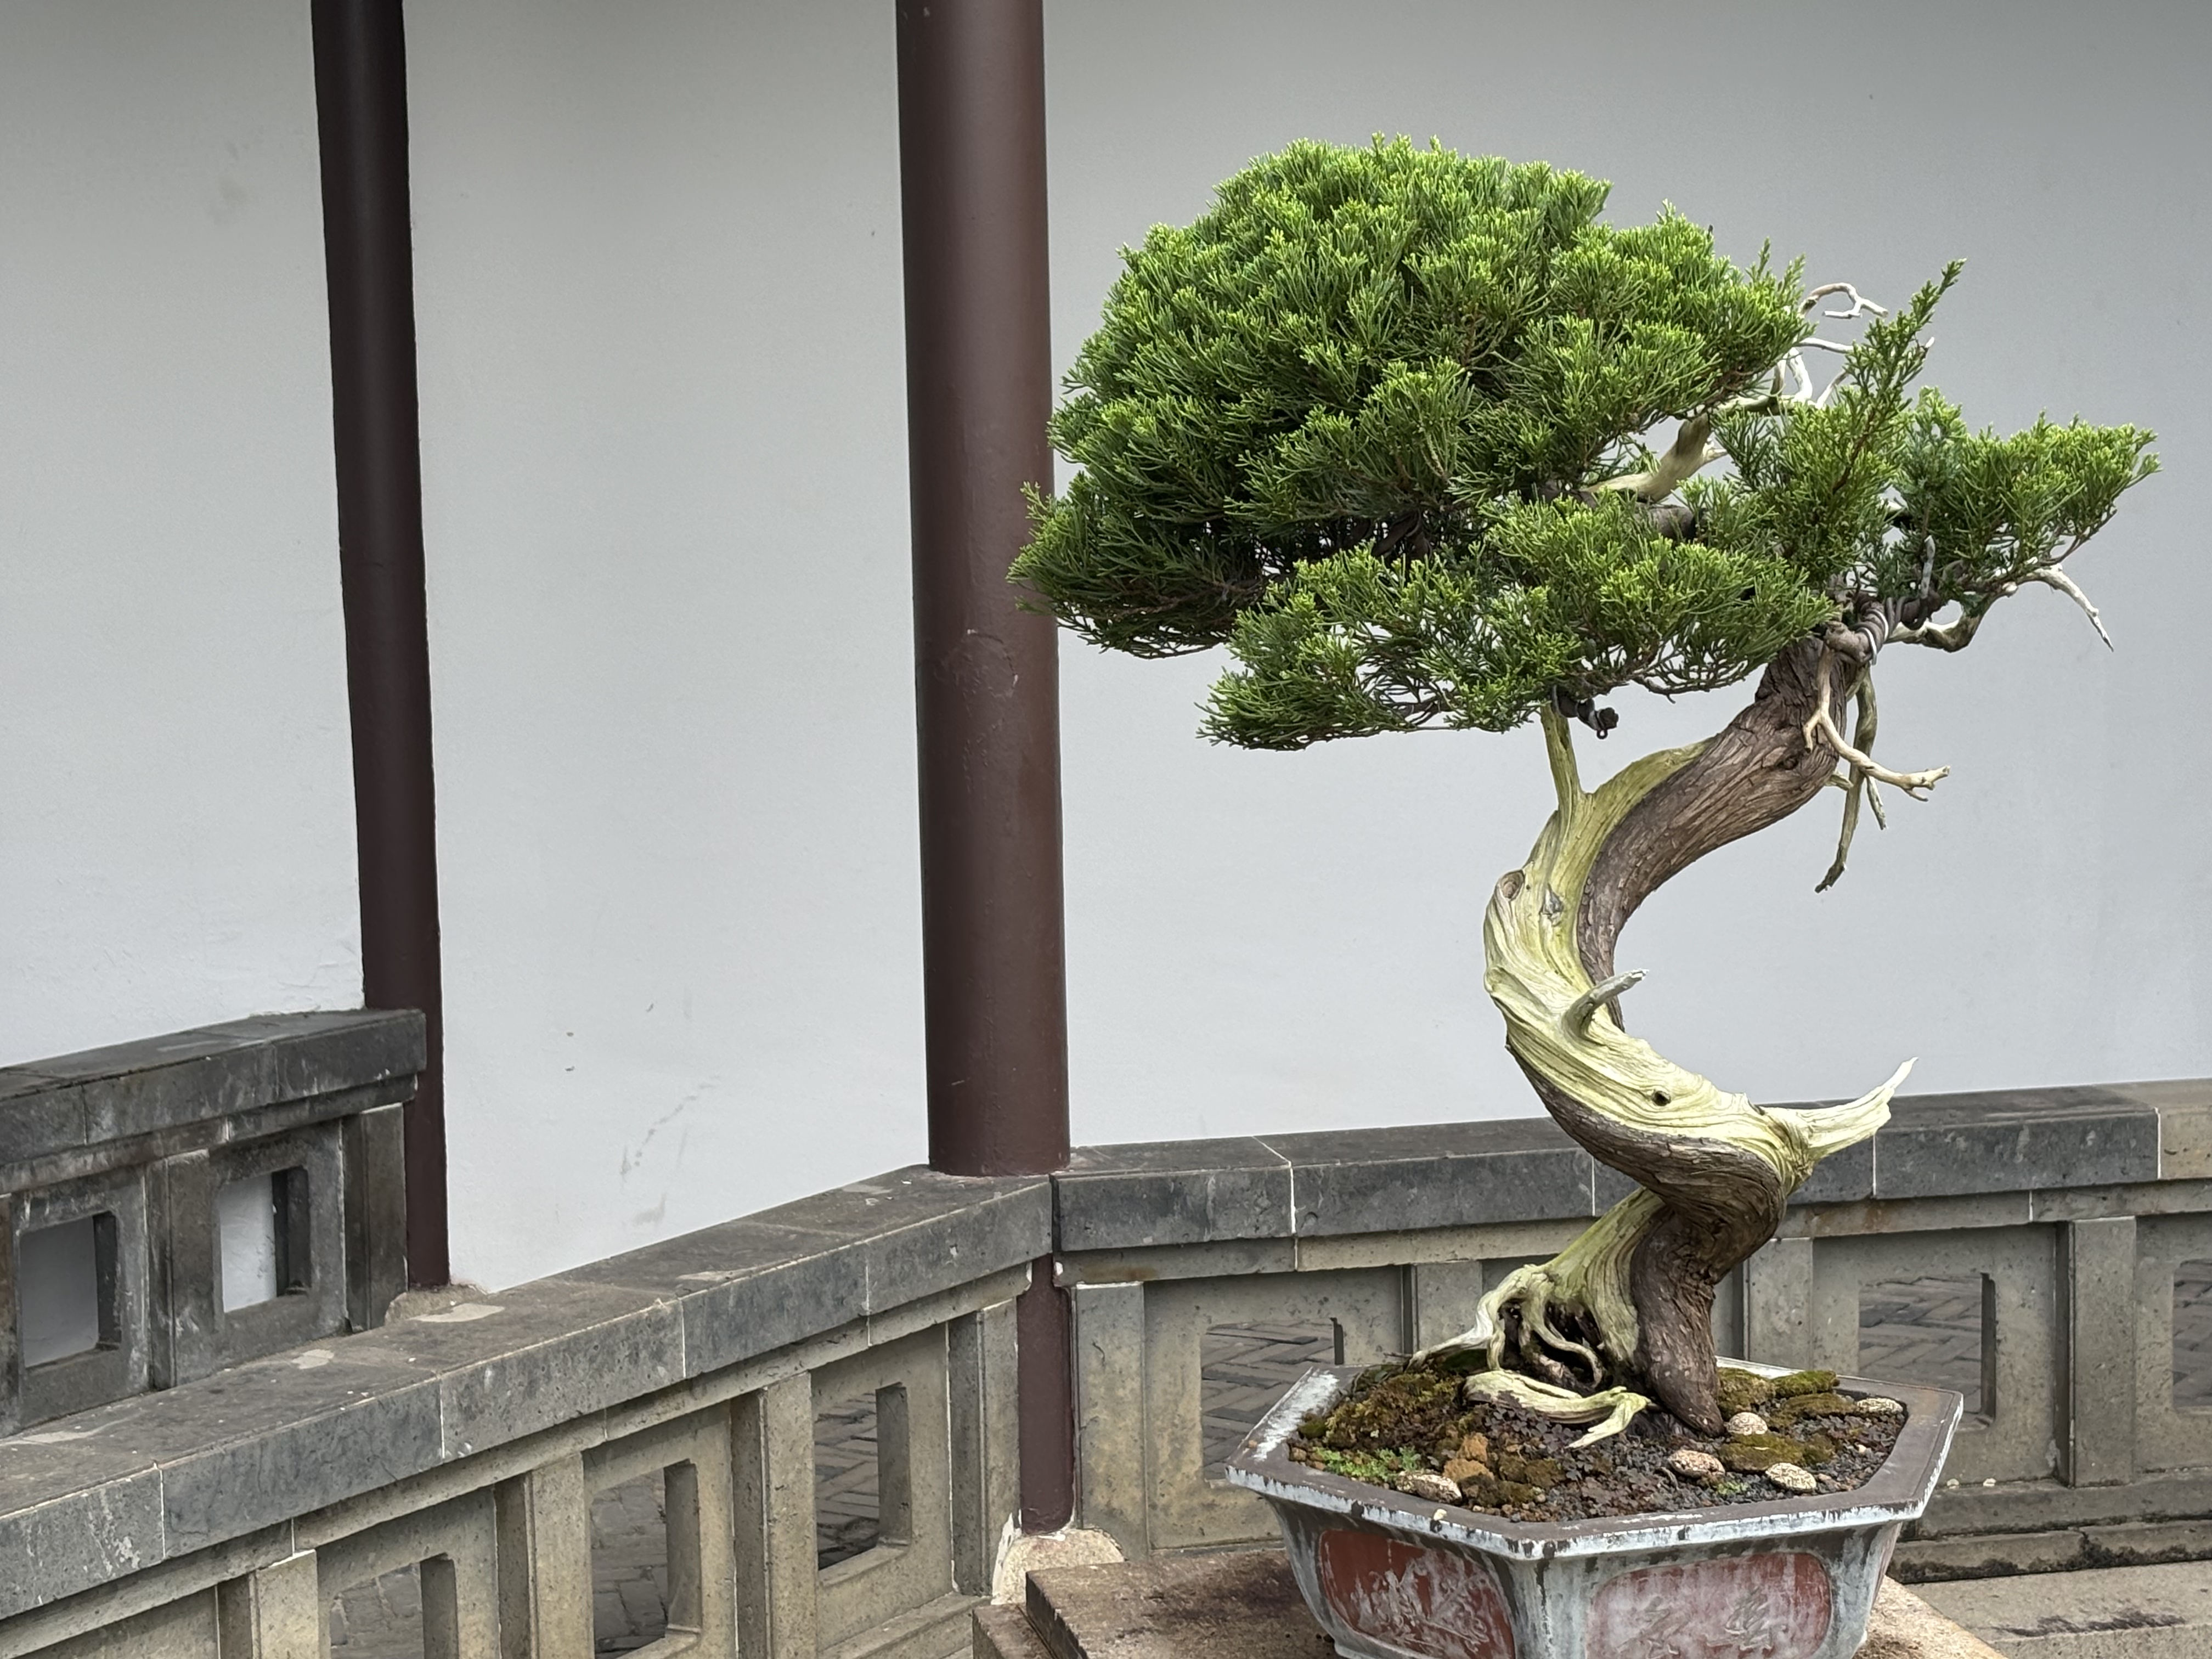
(1417, 1432)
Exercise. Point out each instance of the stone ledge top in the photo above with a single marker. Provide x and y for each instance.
(76, 1100)
(90, 1497)
(1149, 1194)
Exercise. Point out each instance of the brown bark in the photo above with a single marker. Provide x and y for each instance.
(1721, 1204)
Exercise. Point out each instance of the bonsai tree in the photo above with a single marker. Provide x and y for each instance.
(1426, 444)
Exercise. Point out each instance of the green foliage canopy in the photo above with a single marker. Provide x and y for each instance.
(1378, 421)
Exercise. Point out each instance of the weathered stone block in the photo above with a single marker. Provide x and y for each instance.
(197, 1335)
(2011, 1140)
(373, 1150)
(745, 1287)
(921, 1232)
(115, 1203)
(1445, 1175)
(1177, 1192)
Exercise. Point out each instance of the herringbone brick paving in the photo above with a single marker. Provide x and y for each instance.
(847, 1515)
(1927, 1331)
(1243, 1369)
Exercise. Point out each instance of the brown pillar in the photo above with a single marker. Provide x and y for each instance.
(979, 388)
(360, 107)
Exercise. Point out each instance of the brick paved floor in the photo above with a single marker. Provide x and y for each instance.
(380, 1619)
(1243, 1369)
(1927, 1331)
(848, 1518)
(2192, 1336)
(630, 1565)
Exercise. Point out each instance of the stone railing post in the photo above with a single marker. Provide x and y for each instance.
(772, 1452)
(2097, 1280)
(272, 1612)
(544, 1522)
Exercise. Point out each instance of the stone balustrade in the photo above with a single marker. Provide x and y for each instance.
(114, 1165)
(2038, 1249)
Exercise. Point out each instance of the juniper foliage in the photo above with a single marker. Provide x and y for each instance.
(1382, 421)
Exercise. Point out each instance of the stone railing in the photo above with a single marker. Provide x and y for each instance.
(2046, 1252)
(118, 1166)
(792, 1434)
(456, 1483)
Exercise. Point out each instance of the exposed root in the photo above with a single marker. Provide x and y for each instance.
(1611, 1409)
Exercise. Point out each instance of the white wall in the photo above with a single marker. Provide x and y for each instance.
(658, 272)
(1262, 940)
(176, 818)
(663, 417)
(657, 263)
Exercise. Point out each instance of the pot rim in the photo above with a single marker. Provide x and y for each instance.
(1898, 1491)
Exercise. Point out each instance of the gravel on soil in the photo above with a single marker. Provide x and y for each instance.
(1416, 1432)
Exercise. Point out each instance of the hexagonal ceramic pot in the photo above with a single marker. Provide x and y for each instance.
(1389, 1576)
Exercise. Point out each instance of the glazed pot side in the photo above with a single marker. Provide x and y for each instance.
(1389, 1576)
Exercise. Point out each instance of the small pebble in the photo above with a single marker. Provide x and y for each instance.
(1695, 1465)
(1746, 1423)
(1991, 1481)
(1951, 1482)
(1875, 1406)
(1791, 1478)
(1420, 1483)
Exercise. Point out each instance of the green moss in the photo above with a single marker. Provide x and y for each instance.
(1754, 1454)
(1379, 1467)
(1810, 1405)
(1804, 1382)
(1399, 1407)
(1742, 1391)
(1542, 1473)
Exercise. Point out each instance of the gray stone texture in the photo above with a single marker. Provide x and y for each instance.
(133, 1089)
(2117, 1612)
(1177, 1192)
(1242, 1606)
(145, 1134)
(2011, 1140)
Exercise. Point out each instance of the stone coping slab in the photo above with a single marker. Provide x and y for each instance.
(87, 1498)
(1335, 1183)
(73, 1102)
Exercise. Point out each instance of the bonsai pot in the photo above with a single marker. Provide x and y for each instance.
(1389, 1576)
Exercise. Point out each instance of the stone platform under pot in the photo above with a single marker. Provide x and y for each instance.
(1389, 1576)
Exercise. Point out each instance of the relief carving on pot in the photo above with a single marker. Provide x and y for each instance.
(1422, 1600)
(1745, 1606)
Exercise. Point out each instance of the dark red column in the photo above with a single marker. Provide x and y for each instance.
(361, 106)
(979, 388)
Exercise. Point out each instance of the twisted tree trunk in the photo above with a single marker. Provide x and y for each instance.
(1629, 1303)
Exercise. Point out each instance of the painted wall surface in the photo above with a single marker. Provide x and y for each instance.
(176, 809)
(1270, 941)
(663, 413)
(659, 268)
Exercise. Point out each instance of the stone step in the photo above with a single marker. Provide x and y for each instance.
(1244, 1605)
(2108, 1612)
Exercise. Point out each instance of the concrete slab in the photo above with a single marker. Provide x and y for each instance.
(2111, 1612)
(1241, 1606)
